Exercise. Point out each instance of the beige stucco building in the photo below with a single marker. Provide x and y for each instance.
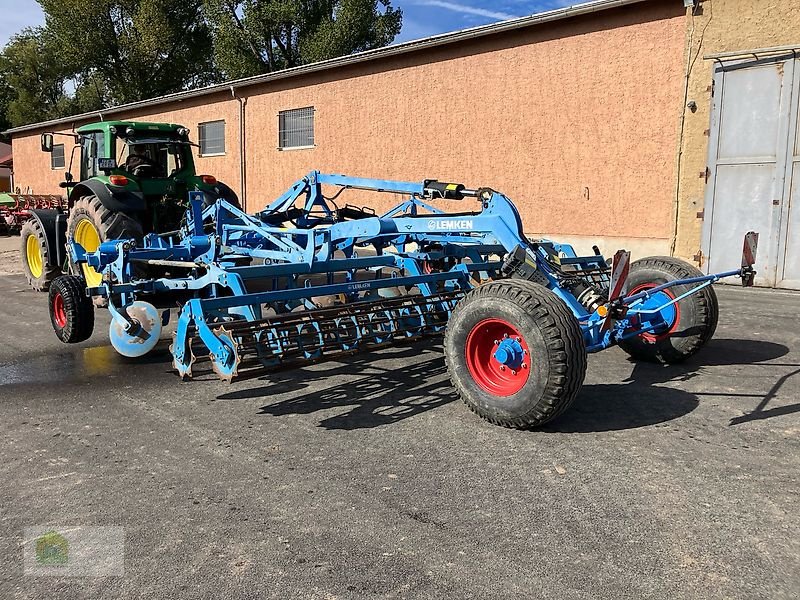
(595, 119)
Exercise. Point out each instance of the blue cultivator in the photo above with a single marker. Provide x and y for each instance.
(305, 279)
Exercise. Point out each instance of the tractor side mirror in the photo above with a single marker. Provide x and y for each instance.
(67, 183)
(47, 142)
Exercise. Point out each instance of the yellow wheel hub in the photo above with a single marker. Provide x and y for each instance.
(33, 254)
(88, 237)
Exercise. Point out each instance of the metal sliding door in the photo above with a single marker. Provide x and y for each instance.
(754, 169)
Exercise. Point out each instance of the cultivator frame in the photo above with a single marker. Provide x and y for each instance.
(303, 278)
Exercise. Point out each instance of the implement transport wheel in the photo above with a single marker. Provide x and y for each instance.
(35, 256)
(91, 223)
(689, 324)
(71, 310)
(515, 353)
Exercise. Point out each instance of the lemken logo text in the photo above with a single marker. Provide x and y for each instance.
(450, 224)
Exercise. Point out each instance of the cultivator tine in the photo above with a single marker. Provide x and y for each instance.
(338, 330)
(182, 361)
(227, 367)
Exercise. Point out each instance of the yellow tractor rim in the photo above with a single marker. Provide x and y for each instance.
(33, 254)
(87, 236)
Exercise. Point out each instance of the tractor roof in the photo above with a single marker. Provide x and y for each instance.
(138, 126)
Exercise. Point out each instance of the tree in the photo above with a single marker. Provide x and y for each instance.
(127, 50)
(5, 99)
(260, 36)
(34, 79)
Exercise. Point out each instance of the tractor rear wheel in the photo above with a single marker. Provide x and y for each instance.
(692, 322)
(71, 310)
(91, 223)
(515, 353)
(36, 256)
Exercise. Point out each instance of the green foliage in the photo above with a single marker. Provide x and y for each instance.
(34, 78)
(261, 36)
(133, 49)
(93, 54)
(6, 96)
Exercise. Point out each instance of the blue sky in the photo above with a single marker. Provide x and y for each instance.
(421, 18)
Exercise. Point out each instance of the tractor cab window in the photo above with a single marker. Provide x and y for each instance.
(151, 158)
(93, 146)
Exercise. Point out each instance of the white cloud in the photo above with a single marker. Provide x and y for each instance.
(467, 10)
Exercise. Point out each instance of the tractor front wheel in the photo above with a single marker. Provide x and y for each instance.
(36, 257)
(515, 353)
(690, 323)
(71, 310)
(91, 223)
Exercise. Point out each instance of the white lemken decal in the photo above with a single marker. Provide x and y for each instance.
(450, 224)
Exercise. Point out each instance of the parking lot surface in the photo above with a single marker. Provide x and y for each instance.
(366, 477)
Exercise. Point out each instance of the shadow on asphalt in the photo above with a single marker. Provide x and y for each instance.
(378, 394)
(640, 400)
(729, 352)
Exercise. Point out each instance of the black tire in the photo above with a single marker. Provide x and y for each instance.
(698, 313)
(41, 281)
(109, 225)
(71, 310)
(221, 192)
(556, 352)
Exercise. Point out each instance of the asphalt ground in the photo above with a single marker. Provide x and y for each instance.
(366, 477)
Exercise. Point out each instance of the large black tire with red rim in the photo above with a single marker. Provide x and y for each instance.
(695, 317)
(515, 353)
(71, 310)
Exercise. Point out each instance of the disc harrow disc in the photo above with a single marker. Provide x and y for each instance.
(142, 335)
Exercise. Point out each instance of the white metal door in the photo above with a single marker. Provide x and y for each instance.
(789, 256)
(750, 167)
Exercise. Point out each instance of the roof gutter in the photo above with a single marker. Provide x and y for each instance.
(351, 59)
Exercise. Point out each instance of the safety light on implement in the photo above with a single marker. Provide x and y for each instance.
(118, 180)
(208, 179)
(749, 251)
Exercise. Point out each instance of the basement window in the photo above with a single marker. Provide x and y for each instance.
(57, 157)
(212, 138)
(296, 128)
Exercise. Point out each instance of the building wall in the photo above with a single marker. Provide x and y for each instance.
(720, 26)
(577, 121)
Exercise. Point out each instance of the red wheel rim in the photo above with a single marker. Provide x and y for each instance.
(498, 357)
(657, 337)
(59, 313)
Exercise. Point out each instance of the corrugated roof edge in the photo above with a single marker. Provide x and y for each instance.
(395, 49)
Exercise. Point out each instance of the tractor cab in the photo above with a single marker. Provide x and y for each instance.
(134, 178)
(155, 158)
(139, 168)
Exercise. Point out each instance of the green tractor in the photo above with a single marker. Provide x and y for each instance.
(134, 180)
